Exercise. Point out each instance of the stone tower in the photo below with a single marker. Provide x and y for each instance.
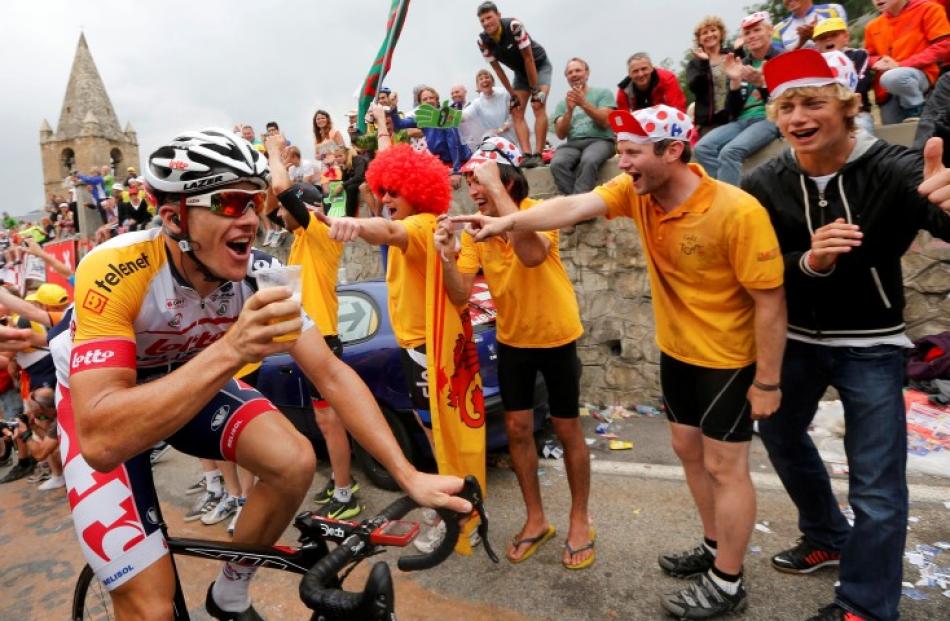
(88, 133)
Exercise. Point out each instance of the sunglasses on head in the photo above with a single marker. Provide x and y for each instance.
(229, 203)
(489, 147)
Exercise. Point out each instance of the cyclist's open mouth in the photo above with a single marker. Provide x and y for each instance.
(240, 246)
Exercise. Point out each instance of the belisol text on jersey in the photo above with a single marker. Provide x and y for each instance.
(117, 272)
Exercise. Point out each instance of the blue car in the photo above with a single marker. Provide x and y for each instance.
(370, 348)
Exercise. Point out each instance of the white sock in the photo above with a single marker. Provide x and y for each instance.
(729, 587)
(343, 494)
(230, 589)
(213, 482)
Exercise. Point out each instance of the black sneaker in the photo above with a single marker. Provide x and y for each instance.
(532, 160)
(223, 615)
(325, 495)
(337, 510)
(20, 470)
(804, 558)
(703, 599)
(686, 564)
(835, 612)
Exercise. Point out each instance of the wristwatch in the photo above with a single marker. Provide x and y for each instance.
(766, 387)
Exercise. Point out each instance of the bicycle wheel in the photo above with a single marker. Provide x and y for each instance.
(91, 600)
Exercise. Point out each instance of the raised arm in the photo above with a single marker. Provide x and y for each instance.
(376, 231)
(552, 214)
(458, 286)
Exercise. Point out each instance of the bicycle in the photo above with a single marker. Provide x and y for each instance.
(321, 585)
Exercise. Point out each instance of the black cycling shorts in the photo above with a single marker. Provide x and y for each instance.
(518, 368)
(416, 370)
(712, 399)
(336, 346)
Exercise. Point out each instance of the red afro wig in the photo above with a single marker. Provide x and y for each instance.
(420, 178)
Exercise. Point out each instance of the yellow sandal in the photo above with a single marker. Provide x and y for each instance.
(535, 543)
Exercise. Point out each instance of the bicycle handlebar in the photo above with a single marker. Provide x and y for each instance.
(375, 601)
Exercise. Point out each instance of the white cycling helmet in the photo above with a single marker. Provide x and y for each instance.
(197, 161)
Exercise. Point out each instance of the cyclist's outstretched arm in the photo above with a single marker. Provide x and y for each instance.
(116, 419)
(355, 404)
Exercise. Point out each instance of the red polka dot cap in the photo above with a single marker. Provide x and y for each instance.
(495, 149)
(652, 124)
(808, 67)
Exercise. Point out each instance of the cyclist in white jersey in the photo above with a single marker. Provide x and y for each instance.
(163, 320)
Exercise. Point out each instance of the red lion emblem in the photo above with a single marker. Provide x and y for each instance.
(462, 383)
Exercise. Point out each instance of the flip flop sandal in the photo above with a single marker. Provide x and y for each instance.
(587, 562)
(535, 543)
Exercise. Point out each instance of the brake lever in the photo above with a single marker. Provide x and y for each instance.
(472, 492)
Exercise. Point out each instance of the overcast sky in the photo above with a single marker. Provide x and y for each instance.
(172, 64)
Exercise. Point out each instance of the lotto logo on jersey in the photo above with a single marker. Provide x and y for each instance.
(94, 302)
(95, 357)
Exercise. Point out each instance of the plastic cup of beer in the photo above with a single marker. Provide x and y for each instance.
(283, 276)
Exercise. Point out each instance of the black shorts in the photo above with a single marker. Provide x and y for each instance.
(714, 400)
(416, 369)
(336, 346)
(518, 368)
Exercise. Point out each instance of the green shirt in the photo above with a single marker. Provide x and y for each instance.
(754, 107)
(582, 126)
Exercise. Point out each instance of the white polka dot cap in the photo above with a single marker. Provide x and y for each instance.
(653, 124)
(808, 67)
(495, 149)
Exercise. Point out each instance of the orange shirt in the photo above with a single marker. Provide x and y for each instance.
(319, 258)
(702, 256)
(920, 24)
(536, 305)
(406, 281)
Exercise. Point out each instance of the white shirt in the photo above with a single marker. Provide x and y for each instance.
(307, 168)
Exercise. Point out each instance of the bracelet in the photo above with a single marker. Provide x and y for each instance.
(766, 387)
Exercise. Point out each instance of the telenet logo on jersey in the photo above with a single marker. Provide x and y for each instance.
(117, 272)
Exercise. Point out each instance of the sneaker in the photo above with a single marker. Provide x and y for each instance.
(198, 486)
(226, 507)
(52, 483)
(233, 523)
(207, 502)
(160, 450)
(429, 539)
(18, 471)
(686, 564)
(40, 473)
(703, 599)
(835, 612)
(325, 495)
(337, 510)
(804, 558)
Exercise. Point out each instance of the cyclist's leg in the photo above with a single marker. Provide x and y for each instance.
(240, 425)
(116, 521)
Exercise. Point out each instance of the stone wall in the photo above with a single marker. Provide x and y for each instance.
(605, 262)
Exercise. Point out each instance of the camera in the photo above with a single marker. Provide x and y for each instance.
(12, 425)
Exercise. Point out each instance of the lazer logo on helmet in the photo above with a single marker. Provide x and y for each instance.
(200, 183)
(117, 272)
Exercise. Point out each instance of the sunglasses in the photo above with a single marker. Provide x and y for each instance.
(384, 191)
(489, 147)
(229, 203)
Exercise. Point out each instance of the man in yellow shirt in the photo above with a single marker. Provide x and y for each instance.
(319, 257)
(538, 324)
(716, 276)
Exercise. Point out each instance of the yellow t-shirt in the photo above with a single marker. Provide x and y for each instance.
(702, 256)
(536, 305)
(319, 257)
(406, 281)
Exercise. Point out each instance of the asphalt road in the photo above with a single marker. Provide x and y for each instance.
(637, 517)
